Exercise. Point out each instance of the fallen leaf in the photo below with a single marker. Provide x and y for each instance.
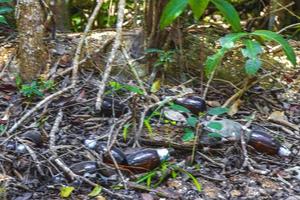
(280, 118)
(234, 108)
(213, 103)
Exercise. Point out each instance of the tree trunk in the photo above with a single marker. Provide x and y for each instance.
(32, 53)
(61, 13)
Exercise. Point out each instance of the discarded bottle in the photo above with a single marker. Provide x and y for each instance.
(137, 162)
(118, 155)
(265, 143)
(112, 106)
(146, 160)
(194, 103)
(230, 130)
(84, 167)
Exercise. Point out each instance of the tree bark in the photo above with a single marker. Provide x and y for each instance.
(32, 53)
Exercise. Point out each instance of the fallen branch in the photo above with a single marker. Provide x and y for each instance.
(116, 45)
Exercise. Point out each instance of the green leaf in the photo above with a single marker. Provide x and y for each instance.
(134, 89)
(252, 66)
(173, 174)
(3, 20)
(198, 7)
(172, 10)
(192, 121)
(5, 1)
(96, 191)
(125, 131)
(188, 135)
(218, 111)
(253, 48)
(145, 177)
(215, 135)
(195, 181)
(229, 13)
(148, 126)
(5, 9)
(155, 86)
(269, 35)
(215, 125)
(228, 41)
(66, 191)
(212, 62)
(179, 108)
(152, 50)
(115, 85)
(149, 180)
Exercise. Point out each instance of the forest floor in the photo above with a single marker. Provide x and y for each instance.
(49, 155)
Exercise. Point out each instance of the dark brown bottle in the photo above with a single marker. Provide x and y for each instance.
(116, 153)
(112, 106)
(194, 103)
(146, 160)
(265, 143)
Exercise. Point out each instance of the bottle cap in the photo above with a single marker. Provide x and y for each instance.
(284, 151)
(163, 154)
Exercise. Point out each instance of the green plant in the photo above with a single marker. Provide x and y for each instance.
(165, 58)
(35, 88)
(2, 129)
(4, 10)
(157, 176)
(174, 8)
(118, 86)
(251, 51)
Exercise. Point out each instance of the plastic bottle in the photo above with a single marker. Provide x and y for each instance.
(194, 103)
(231, 131)
(146, 160)
(116, 153)
(265, 143)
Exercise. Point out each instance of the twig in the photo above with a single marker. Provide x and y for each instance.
(245, 152)
(132, 68)
(116, 44)
(55, 129)
(196, 140)
(34, 157)
(208, 84)
(211, 160)
(36, 108)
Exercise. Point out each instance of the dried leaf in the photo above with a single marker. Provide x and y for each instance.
(234, 108)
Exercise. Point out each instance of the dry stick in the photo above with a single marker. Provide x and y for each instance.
(208, 84)
(245, 152)
(111, 140)
(211, 160)
(132, 68)
(196, 140)
(55, 128)
(36, 108)
(74, 74)
(81, 42)
(34, 157)
(108, 66)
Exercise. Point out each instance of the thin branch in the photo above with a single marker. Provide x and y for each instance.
(81, 42)
(116, 45)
